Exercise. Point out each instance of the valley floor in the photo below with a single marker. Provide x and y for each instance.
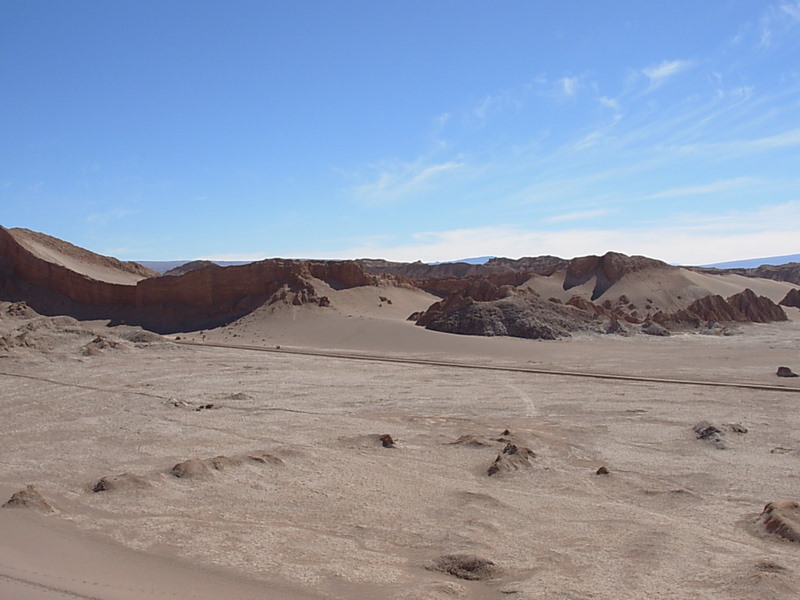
(308, 503)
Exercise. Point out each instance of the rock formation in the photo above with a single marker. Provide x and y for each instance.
(792, 298)
(742, 307)
(515, 313)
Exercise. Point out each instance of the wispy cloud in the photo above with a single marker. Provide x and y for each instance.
(569, 85)
(579, 215)
(609, 102)
(397, 181)
(792, 9)
(658, 74)
(777, 19)
(113, 214)
(716, 187)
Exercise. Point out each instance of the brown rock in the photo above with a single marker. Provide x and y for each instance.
(601, 471)
(785, 372)
(387, 441)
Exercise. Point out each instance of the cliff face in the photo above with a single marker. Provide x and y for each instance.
(200, 298)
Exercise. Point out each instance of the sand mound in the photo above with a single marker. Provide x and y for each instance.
(782, 517)
(99, 344)
(264, 458)
(47, 334)
(142, 337)
(28, 497)
(465, 566)
(194, 468)
(511, 458)
(472, 441)
(123, 481)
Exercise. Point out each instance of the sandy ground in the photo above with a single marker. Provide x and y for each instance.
(325, 511)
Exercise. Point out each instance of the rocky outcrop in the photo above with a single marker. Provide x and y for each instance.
(743, 307)
(204, 297)
(792, 299)
(515, 313)
(606, 270)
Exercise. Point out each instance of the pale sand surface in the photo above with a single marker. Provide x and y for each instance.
(342, 517)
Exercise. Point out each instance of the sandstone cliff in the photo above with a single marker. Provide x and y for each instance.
(201, 298)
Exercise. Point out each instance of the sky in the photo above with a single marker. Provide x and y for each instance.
(403, 129)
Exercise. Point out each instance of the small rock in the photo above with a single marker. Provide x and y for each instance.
(785, 372)
(708, 432)
(736, 427)
(601, 471)
(387, 441)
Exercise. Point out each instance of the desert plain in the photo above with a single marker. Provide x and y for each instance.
(345, 453)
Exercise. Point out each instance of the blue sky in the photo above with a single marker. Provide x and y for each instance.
(407, 130)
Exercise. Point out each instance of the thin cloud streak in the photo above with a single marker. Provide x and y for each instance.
(400, 181)
(716, 187)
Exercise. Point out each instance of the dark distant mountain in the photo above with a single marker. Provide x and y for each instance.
(752, 263)
(162, 266)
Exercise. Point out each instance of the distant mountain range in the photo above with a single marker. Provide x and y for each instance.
(162, 266)
(752, 263)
